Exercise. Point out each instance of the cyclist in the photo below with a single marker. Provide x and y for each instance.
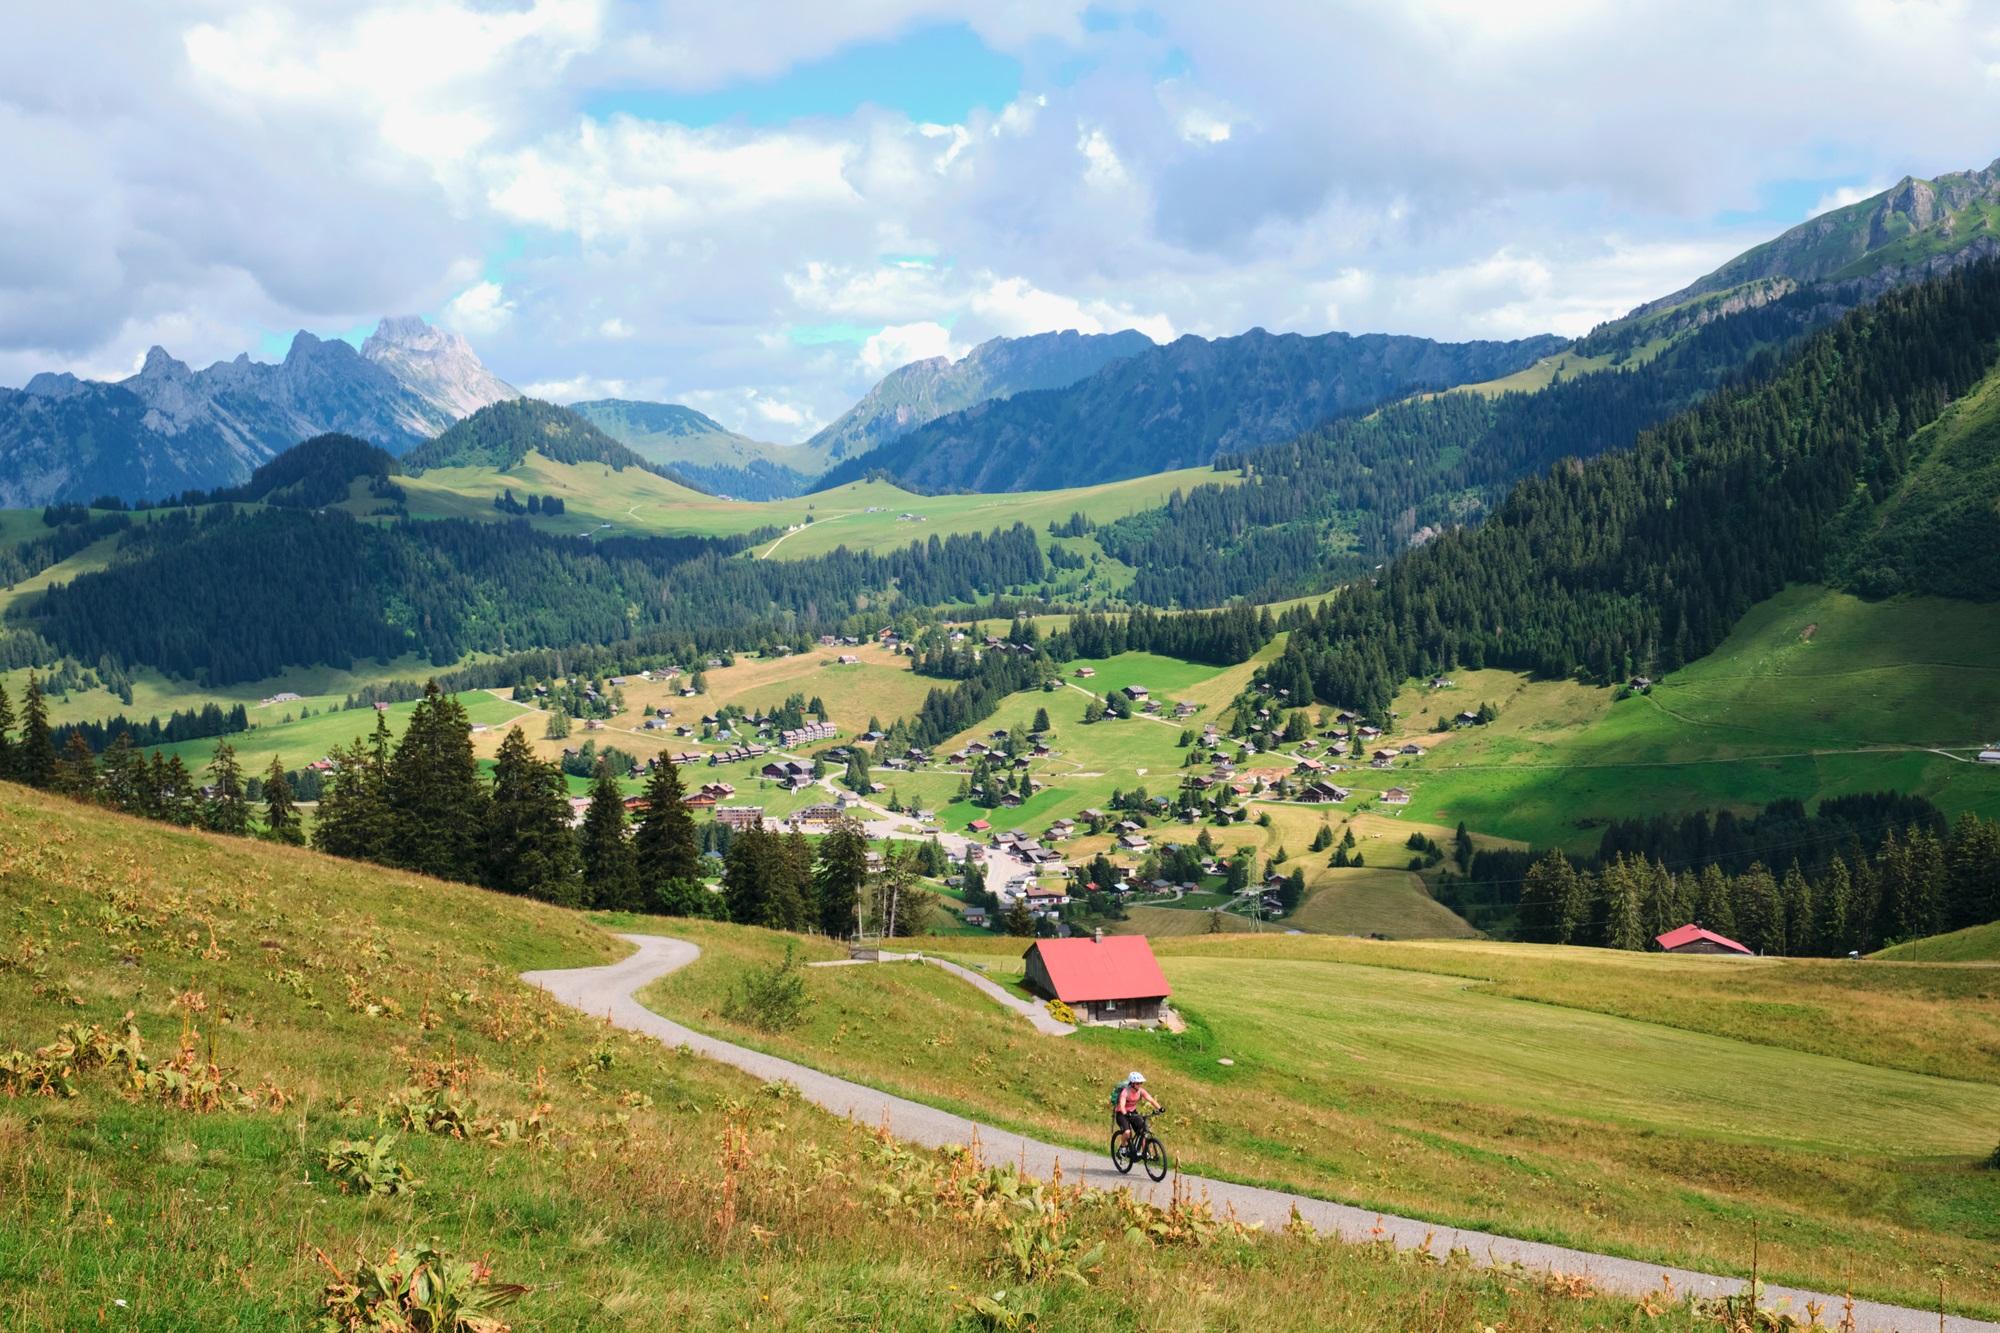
(1125, 1104)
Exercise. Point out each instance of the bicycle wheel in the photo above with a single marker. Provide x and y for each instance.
(1156, 1158)
(1118, 1158)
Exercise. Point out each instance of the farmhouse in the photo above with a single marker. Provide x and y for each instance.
(1105, 979)
(1395, 796)
(1990, 755)
(1136, 692)
(1085, 673)
(1693, 939)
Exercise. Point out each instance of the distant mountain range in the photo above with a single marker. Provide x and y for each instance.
(171, 428)
(1179, 406)
(719, 460)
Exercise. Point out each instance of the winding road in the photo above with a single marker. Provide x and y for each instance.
(608, 992)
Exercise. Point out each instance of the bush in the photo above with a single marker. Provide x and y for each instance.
(366, 1166)
(1993, 1159)
(772, 998)
(424, 1289)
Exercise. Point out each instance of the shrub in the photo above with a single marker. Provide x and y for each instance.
(1061, 1012)
(424, 1289)
(772, 998)
(1993, 1159)
(366, 1166)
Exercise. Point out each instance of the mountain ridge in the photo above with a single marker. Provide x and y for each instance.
(170, 427)
(1180, 405)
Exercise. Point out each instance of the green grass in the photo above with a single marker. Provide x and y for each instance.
(1860, 703)
(1974, 944)
(1428, 1093)
(860, 516)
(668, 1191)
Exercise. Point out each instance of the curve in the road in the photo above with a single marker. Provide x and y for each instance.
(608, 992)
(1043, 1022)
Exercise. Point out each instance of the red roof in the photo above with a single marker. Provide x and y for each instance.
(1116, 967)
(979, 824)
(1682, 936)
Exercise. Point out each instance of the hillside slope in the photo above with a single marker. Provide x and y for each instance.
(1179, 406)
(623, 1186)
(700, 448)
(503, 435)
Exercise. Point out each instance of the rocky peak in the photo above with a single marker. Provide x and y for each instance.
(159, 364)
(436, 364)
(54, 384)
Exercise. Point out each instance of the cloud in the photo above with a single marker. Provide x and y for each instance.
(900, 344)
(479, 309)
(203, 175)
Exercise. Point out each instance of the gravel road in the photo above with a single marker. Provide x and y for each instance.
(607, 992)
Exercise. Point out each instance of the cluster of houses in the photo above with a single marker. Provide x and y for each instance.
(709, 796)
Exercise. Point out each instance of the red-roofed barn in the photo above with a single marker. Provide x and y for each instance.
(1693, 939)
(1104, 978)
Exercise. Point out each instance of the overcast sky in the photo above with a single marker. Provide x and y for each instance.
(758, 209)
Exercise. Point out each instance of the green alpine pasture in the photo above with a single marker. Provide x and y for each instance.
(1398, 1080)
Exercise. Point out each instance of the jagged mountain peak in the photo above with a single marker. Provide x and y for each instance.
(437, 364)
(161, 364)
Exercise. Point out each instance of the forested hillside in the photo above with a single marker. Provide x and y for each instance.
(1641, 560)
(1361, 490)
(502, 435)
(181, 595)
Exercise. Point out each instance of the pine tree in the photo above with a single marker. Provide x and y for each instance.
(122, 773)
(437, 806)
(529, 847)
(281, 816)
(76, 770)
(178, 800)
(1833, 907)
(1795, 902)
(228, 811)
(1017, 920)
(1322, 839)
(1759, 917)
(35, 759)
(903, 905)
(1973, 872)
(1548, 892)
(841, 874)
(1619, 895)
(610, 875)
(1714, 903)
(1462, 849)
(7, 748)
(745, 867)
(666, 846)
(1041, 724)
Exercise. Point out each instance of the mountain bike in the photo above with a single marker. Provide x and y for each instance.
(1145, 1147)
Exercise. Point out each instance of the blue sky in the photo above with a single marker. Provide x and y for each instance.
(759, 209)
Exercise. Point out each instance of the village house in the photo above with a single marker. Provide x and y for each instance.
(1102, 978)
(698, 800)
(1085, 673)
(1693, 939)
(739, 817)
(1395, 796)
(1136, 692)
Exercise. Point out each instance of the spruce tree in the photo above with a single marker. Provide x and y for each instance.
(227, 811)
(529, 848)
(437, 805)
(745, 870)
(1795, 901)
(1759, 917)
(610, 875)
(1714, 902)
(7, 747)
(35, 761)
(666, 846)
(178, 801)
(839, 876)
(122, 773)
(1619, 894)
(76, 770)
(1833, 907)
(281, 815)
(1041, 725)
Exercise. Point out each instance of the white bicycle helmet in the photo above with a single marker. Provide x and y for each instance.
(1135, 1077)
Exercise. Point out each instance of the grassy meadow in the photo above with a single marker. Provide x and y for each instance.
(1423, 1091)
(305, 1002)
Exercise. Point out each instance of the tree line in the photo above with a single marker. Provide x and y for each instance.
(178, 597)
(1912, 884)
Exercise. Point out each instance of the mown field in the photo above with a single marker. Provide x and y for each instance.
(621, 1185)
(1974, 944)
(1415, 1089)
(1815, 694)
(862, 516)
